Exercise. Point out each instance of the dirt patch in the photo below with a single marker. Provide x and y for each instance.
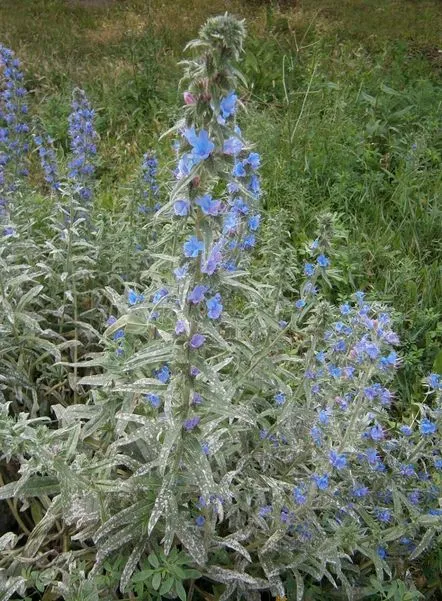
(92, 3)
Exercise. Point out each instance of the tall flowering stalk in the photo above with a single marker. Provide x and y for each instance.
(13, 129)
(83, 137)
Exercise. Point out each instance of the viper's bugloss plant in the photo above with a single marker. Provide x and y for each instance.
(242, 427)
(83, 137)
(13, 132)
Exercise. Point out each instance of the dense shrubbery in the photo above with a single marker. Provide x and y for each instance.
(176, 417)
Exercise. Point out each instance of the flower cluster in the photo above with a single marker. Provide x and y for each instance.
(83, 136)
(150, 193)
(13, 126)
(48, 160)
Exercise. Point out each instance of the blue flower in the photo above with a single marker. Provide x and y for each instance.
(213, 260)
(321, 481)
(433, 382)
(180, 327)
(309, 269)
(316, 434)
(133, 298)
(163, 374)
(383, 515)
(197, 294)
(200, 521)
(239, 170)
(324, 416)
(192, 247)
(376, 432)
(381, 552)
(208, 205)
(181, 272)
(360, 491)
(254, 160)
(300, 303)
(279, 398)
(161, 293)
(254, 222)
(205, 447)
(323, 261)
(265, 511)
(214, 307)
(118, 334)
(228, 105)
(191, 423)
(299, 495)
(197, 341)
(153, 399)
(345, 309)
(337, 460)
(202, 146)
(181, 208)
(232, 145)
(427, 427)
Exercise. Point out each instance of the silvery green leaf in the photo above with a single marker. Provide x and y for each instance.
(424, 544)
(15, 584)
(8, 541)
(131, 564)
(161, 503)
(192, 541)
(231, 543)
(220, 574)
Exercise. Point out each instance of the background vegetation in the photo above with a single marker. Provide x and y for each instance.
(347, 95)
(344, 100)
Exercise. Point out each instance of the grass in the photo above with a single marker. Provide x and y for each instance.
(344, 100)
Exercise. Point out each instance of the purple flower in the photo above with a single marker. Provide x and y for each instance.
(265, 511)
(161, 293)
(299, 495)
(197, 294)
(214, 259)
(337, 460)
(253, 160)
(323, 261)
(383, 515)
(239, 170)
(228, 105)
(163, 374)
(181, 208)
(192, 247)
(180, 327)
(153, 399)
(233, 145)
(208, 205)
(433, 382)
(376, 432)
(309, 269)
(197, 341)
(214, 307)
(111, 320)
(200, 521)
(202, 146)
(360, 491)
(197, 399)
(427, 427)
(321, 481)
(254, 222)
(191, 423)
(133, 298)
(181, 272)
(279, 398)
